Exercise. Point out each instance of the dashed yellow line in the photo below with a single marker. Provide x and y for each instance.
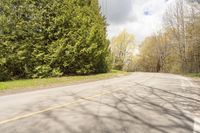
(55, 107)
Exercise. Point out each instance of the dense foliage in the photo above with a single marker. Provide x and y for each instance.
(43, 38)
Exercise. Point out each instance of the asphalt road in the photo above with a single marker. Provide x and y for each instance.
(137, 103)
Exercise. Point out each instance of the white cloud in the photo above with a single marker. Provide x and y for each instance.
(142, 17)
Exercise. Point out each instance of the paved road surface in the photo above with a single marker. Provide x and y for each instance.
(137, 103)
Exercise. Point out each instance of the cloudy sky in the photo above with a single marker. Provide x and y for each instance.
(140, 17)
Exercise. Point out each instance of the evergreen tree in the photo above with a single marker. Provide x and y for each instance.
(42, 38)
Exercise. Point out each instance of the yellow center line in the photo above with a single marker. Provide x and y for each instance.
(55, 107)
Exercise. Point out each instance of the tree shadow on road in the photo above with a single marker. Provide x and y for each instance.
(153, 111)
(137, 109)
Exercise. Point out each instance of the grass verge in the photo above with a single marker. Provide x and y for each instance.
(54, 82)
(193, 75)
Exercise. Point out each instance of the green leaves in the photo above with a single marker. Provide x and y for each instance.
(51, 38)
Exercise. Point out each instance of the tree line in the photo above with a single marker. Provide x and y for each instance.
(176, 48)
(46, 38)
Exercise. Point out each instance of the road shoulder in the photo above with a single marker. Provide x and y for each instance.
(56, 85)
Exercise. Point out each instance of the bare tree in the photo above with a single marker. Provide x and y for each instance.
(122, 48)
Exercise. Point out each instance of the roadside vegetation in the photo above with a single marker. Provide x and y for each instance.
(122, 49)
(52, 38)
(54, 82)
(175, 49)
(193, 75)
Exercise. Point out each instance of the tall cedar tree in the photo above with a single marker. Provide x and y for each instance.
(45, 38)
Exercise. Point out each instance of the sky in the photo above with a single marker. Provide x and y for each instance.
(139, 17)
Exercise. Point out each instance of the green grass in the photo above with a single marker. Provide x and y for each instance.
(194, 75)
(52, 82)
